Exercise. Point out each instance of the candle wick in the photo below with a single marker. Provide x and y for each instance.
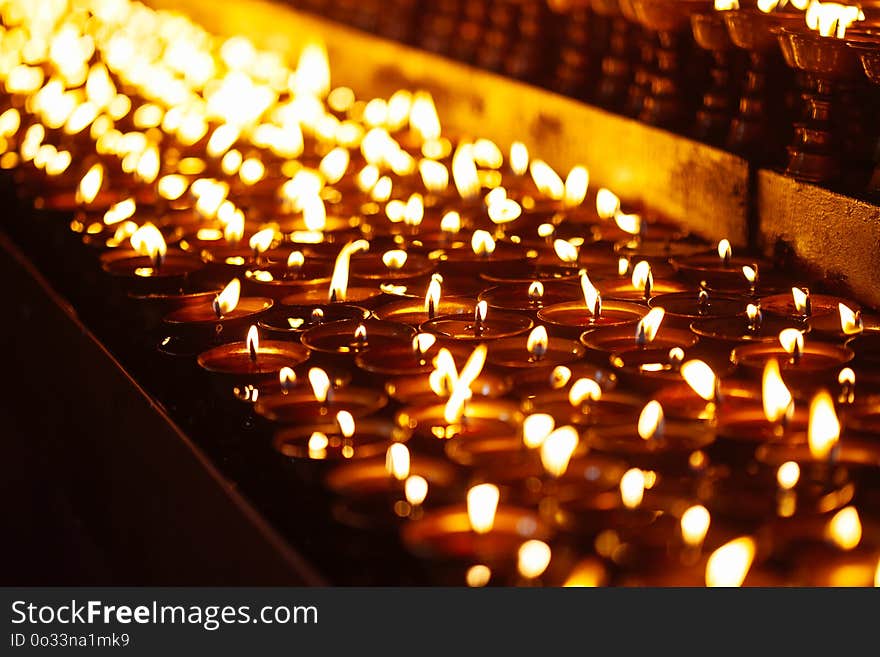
(253, 351)
(431, 309)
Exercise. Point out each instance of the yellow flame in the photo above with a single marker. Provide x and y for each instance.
(394, 259)
(877, 575)
(172, 186)
(312, 75)
(695, 525)
(318, 443)
(253, 341)
(397, 461)
(537, 342)
(536, 291)
(464, 172)
(846, 377)
(547, 180)
(832, 18)
(788, 475)
(519, 158)
(120, 212)
(850, 321)
(632, 488)
(641, 274)
(651, 420)
(775, 396)
(435, 176)
(148, 240)
(536, 428)
(423, 341)
(451, 222)
(823, 430)
(726, 5)
(629, 223)
(607, 203)
(533, 558)
(504, 211)
(286, 378)
(649, 325)
(576, 184)
(90, 184)
(482, 243)
(233, 231)
(339, 280)
(295, 260)
(445, 375)
(592, 298)
(845, 528)
(415, 210)
(565, 251)
(432, 297)
(588, 573)
(729, 564)
(582, 390)
(482, 503)
(461, 391)
(724, 249)
(487, 154)
(750, 273)
(415, 489)
(557, 449)
(792, 340)
(423, 119)
(262, 240)
(346, 424)
(801, 297)
(478, 576)
(700, 377)
(320, 383)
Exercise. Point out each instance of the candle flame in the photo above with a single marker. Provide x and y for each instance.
(607, 203)
(629, 223)
(823, 429)
(576, 184)
(695, 525)
(451, 222)
(801, 298)
(334, 164)
(233, 231)
(227, 299)
(845, 529)
(320, 383)
(482, 243)
(339, 280)
(314, 213)
(641, 274)
(792, 340)
(729, 564)
(649, 325)
(536, 428)
(547, 180)
(750, 273)
(464, 172)
(415, 210)
(583, 390)
(726, 5)
(850, 320)
(832, 18)
(423, 341)
(651, 420)
(482, 503)
(877, 575)
(435, 176)
(559, 377)
(846, 377)
(632, 488)
(120, 211)
(557, 449)
(148, 240)
(90, 184)
(478, 576)
(397, 461)
(345, 421)
(295, 260)
(536, 291)
(461, 391)
(253, 342)
(537, 342)
(700, 377)
(588, 573)
(262, 240)
(445, 375)
(565, 251)
(318, 443)
(622, 266)
(504, 211)
(480, 312)
(394, 259)
(725, 251)
(287, 378)
(519, 158)
(423, 119)
(592, 298)
(533, 558)
(415, 489)
(775, 396)
(788, 475)
(312, 76)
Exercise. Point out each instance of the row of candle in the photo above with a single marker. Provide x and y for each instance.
(521, 379)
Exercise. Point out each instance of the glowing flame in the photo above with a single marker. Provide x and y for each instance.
(432, 297)
(649, 325)
(607, 203)
(557, 449)
(700, 377)
(90, 184)
(725, 251)
(339, 281)
(312, 75)
(629, 223)
(792, 340)
(423, 341)
(314, 214)
(622, 266)
(788, 475)
(478, 576)
(832, 18)
(461, 391)
(394, 259)
(589, 573)
(482, 243)
(415, 210)
(850, 321)
(519, 158)
(482, 503)
(632, 488)
(537, 342)
(320, 383)
(695, 524)
(504, 211)
(536, 291)
(536, 428)
(845, 528)
(547, 180)
(565, 251)
(295, 260)
(651, 420)
(533, 558)
(345, 421)
(435, 176)
(397, 461)
(823, 430)
(592, 298)
(877, 575)
(464, 172)
(148, 240)
(286, 378)
(451, 222)
(415, 489)
(262, 240)
(641, 275)
(846, 377)
(750, 273)
(423, 119)
(775, 396)
(445, 375)
(172, 187)
(233, 231)
(726, 5)
(801, 300)
(576, 184)
(334, 164)
(253, 342)
(560, 376)
(583, 390)
(120, 211)
(729, 564)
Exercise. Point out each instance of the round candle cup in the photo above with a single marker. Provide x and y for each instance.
(828, 566)
(340, 337)
(291, 321)
(534, 381)
(682, 308)
(669, 450)
(481, 417)
(623, 289)
(464, 261)
(194, 326)
(529, 273)
(279, 283)
(464, 328)
(740, 329)
(233, 364)
(412, 311)
(820, 304)
(367, 297)
(750, 426)
(397, 359)
(299, 406)
(515, 296)
(415, 389)
(717, 274)
(572, 317)
(153, 306)
(141, 274)
(656, 250)
(611, 408)
(618, 340)
(513, 353)
(816, 359)
(680, 401)
(828, 327)
(791, 537)
(446, 534)
(852, 451)
(371, 438)
(370, 267)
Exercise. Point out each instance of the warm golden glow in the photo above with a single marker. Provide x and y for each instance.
(339, 280)
(801, 300)
(788, 475)
(504, 211)
(776, 397)
(823, 430)
(435, 175)
(253, 341)
(148, 240)
(651, 420)
(90, 184)
(423, 119)
(227, 300)
(415, 489)
(461, 391)
(533, 558)
(726, 5)
(262, 240)
(583, 390)
(415, 210)
(877, 575)
(641, 275)
(423, 341)
(120, 212)
(536, 428)
(464, 172)
(445, 375)
(576, 184)
(832, 18)
(233, 231)
(286, 378)
(565, 251)
(629, 223)
(397, 461)
(536, 291)
(724, 250)
(537, 342)
(519, 158)
(632, 488)
(394, 259)
(607, 203)
(846, 377)
(750, 273)
(850, 320)
(792, 340)
(695, 525)
(312, 76)
(451, 222)
(482, 503)
(318, 443)
(557, 449)
(592, 298)
(478, 576)
(588, 573)
(172, 186)
(845, 529)
(320, 383)
(729, 564)
(482, 243)
(547, 180)
(432, 297)
(649, 325)
(700, 377)
(345, 422)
